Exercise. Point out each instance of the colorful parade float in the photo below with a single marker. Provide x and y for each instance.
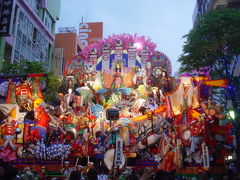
(118, 106)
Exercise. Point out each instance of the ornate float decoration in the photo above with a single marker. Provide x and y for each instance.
(120, 100)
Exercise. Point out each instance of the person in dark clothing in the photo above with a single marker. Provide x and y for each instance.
(92, 172)
(75, 175)
(12, 173)
(7, 172)
(3, 170)
(163, 175)
(132, 177)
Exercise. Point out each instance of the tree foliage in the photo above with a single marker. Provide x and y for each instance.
(24, 67)
(28, 67)
(215, 43)
(214, 40)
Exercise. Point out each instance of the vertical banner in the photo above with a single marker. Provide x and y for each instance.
(90, 33)
(6, 17)
(205, 155)
(119, 152)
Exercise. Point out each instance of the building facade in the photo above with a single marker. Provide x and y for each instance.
(31, 34)
(90, 32)
(58, 62)
(68, 40)
(202, 6)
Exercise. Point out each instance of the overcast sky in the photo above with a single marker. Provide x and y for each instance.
(164, 21)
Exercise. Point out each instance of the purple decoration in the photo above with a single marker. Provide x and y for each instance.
(126, 39)
(186, 74)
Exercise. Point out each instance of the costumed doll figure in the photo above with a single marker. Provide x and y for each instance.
(117, 76)
(154, 99)
(197, 127)
(140, 77)
(170, 151)
(71, 83)
(8, 130)
(23, 94)
(68, 99)
(165, 82)
(42, 119)
(184, 99)
(148, 132)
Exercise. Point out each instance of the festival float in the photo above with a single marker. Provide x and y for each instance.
(119, 106)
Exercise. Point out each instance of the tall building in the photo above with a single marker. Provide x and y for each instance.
(202, 6)
(29, 33)
(68, 43)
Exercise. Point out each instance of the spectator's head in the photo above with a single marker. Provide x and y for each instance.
(79, 168)
(66, 164)
(163, 175)
(90, 165)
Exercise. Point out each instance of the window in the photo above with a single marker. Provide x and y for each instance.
(33, 4)
(19, 34)
(29, 44)
(25, 25)
(21, 58)
(30, 30)
(24, 39)
(33, 57)
(21, 23)
(38, 55)
(48, 20)
(34, 35)
(18, 44)
(16, 55)
(20, 20)
(28, 54)
(23, 49)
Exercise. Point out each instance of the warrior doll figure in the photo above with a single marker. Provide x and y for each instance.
(24, 95)
(184, 99)
(8, 129)
(117, 77)
(140, 76)
(42, 119)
